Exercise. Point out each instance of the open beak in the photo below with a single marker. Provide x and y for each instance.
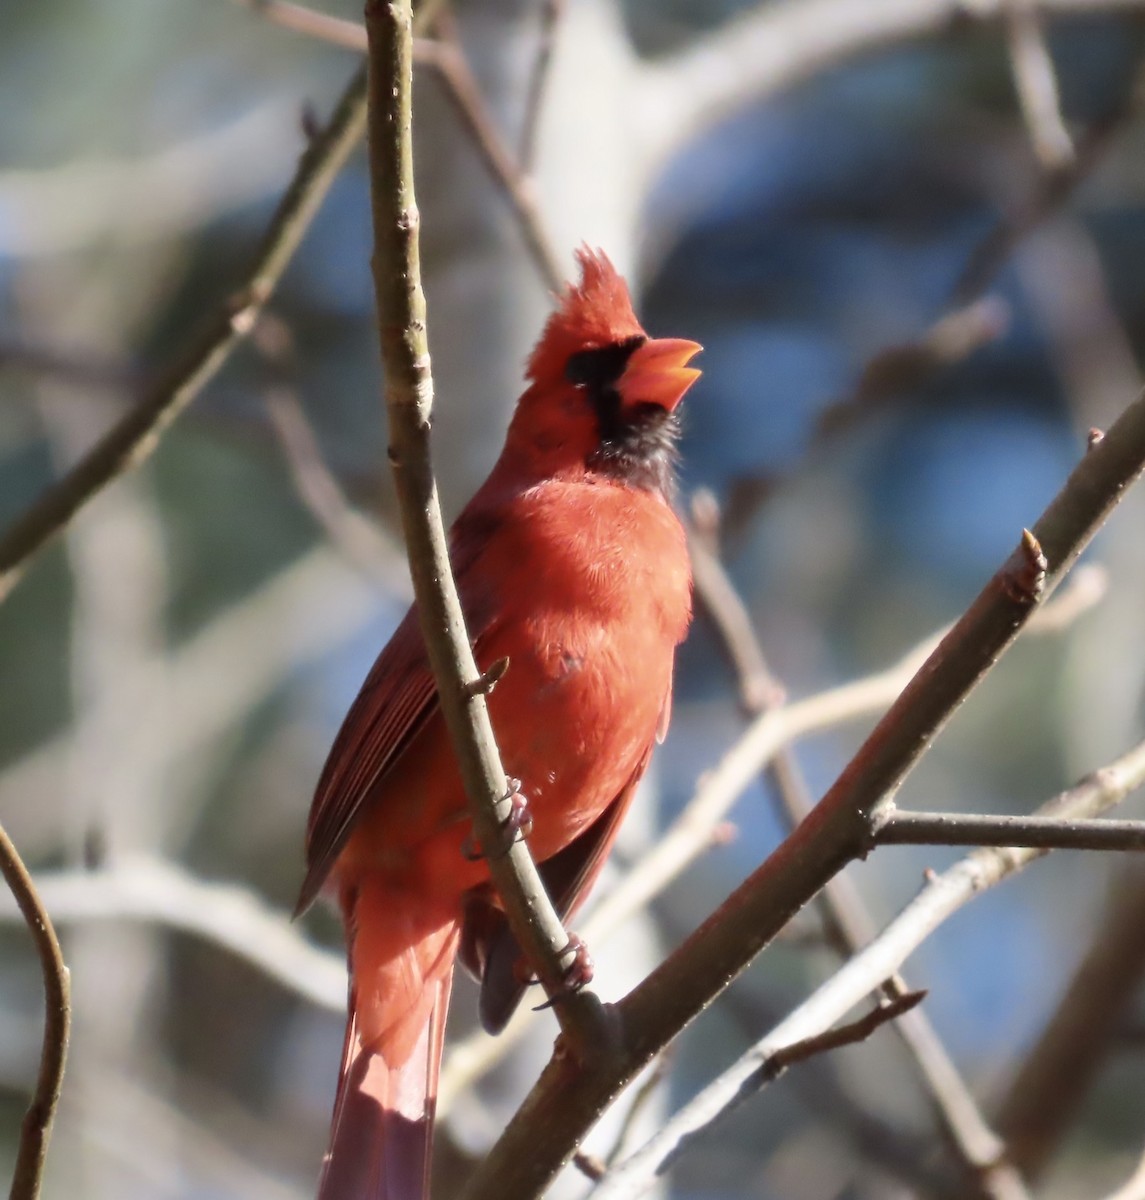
(658, 372)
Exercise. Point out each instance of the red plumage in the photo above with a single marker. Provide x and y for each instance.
(570, 563)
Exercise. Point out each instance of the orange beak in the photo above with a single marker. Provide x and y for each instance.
(658, 372)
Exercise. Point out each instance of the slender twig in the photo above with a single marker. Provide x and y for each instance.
(134, 437)
(310, 22)
(551, 13)
(361, 540)
(698, 825)
(409, 401)
(845, 1035)
(1051, 192)
(36, 1129)
(448, 57)
(1037, 84)
(569, 1097)
(990, 829)
(940, 898)
(972, 319)
(846, 922)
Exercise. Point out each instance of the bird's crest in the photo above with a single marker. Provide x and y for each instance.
(597, 313)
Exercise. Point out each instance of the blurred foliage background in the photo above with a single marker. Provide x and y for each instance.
(172, 673)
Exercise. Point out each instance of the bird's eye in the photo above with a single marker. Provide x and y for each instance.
(601, 366)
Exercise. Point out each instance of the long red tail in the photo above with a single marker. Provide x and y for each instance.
(382, 1130)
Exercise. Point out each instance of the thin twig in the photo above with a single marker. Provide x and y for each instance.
(448, 57)
(943, 895)
(131, 441)
(361, 540)
(845, 1035)
(310, 22)
(898, 828)
(1037, 85)
(36, 1129)
(551, 13)
(1052, 191)
(698, 825)
(568, 1098)
(409, 401)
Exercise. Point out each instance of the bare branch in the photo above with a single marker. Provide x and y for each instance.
(150, 197)
(224, 914)
(409, 401)
(943, 895)
(991, 829)
(1037, 85)
(847, 923)
(36, 1129)
(775, 46)
(448, 57)
(551, 13)
(308, 21)
(568, 1098)
(131, 441)
(361, 540)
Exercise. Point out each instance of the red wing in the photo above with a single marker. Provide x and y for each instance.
(397, 699)
(488, 947)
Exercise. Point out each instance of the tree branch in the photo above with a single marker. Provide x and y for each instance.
(36, 1129)
(777, 45)
(898, 828)
(1037, 85)
(409, 401)
(224, 914)
(569, 1096)
(847, 923)
(130, 442)
(944, 895)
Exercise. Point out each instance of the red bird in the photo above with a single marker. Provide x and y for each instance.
(572, 565)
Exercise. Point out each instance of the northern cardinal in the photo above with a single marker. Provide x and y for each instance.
(571, 564)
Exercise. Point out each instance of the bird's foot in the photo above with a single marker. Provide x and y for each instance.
(578, 973)
(517, 825)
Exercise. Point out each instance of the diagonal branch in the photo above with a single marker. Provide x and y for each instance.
(130, 442)
(37, 1126)
(569, 1096)
(944, 895)
(409, 401)
(847, 923)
